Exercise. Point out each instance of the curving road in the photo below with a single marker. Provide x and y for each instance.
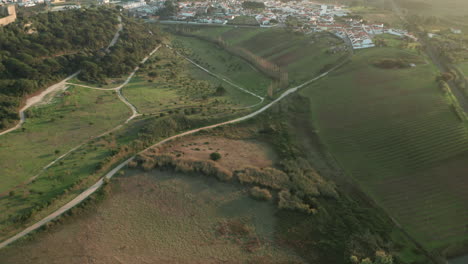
(111, 173)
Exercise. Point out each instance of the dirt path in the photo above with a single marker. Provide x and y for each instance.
(111, 173)
(116, 36)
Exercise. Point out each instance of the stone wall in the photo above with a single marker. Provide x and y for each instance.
(11, 11)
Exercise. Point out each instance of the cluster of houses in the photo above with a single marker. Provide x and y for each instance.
(359, 34)
(309, 17)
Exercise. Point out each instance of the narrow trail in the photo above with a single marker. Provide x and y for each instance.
(85, 194)
(56, 87)
(116, 36)
(118, 90)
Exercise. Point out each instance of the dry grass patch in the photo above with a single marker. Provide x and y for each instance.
(162, 217)
(235, 153)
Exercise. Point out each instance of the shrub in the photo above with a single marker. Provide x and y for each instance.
(291, 202)
(260, 194)
(215, 156)
(267, 177)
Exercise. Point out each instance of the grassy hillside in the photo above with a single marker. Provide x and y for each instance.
(53, 129)
(301, 56)
(398, 136)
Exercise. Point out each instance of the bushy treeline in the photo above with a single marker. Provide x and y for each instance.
(297, 190)
(136, 41)
(253, 5)
(38, 50)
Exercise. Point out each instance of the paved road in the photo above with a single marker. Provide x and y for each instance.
(111, 173)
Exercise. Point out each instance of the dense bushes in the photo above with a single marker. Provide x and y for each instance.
(391, 64)
(260, 194)
(209, 168)
(266, 177)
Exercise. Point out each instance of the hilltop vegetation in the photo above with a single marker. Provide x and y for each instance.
(39, 50)
(135, 42)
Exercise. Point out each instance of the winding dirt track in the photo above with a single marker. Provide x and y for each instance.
(111, 173)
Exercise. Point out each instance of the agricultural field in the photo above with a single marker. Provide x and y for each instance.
(377, 14)
(50, 130)
(281, 47)
(396, 133)
(244, 20)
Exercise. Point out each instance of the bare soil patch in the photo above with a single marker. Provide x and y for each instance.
(235, 153)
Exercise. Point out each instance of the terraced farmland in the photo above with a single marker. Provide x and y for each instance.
(284, 48)
(398, 136)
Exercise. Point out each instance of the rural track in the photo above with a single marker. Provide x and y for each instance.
(121, 97)
(88, 192)
(56, 87)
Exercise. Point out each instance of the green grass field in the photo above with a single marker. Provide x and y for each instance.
(302, 56)
(397, 135)
(69, 120)
(464, 68)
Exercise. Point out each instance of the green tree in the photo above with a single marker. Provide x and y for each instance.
(215, 156)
